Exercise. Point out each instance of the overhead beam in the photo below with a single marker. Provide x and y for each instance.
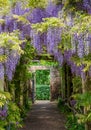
(44, 57)
(34, 68)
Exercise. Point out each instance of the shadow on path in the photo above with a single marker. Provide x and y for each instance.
(44, 116)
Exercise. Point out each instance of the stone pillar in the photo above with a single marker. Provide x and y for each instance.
(55, 83)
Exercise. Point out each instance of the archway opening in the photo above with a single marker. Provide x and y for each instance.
(43, 85)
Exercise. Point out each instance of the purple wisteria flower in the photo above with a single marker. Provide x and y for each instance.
(73, 102)
(3, 114)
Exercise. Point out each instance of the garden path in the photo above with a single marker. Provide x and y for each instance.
(44, 116)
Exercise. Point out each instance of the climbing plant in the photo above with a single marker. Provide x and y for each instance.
(61, 29)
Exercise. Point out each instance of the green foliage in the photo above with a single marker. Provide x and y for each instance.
(4, 97)
(82, 21)
(5, 6)
(22, 69)
(43, 62)
(21, 18)
(29, 52)
(38, 3)
(13, 112)
(72, 123)
(65, 41)
(86, 61)
(42, 92)
(20, 82)
(48, 63)
(60, 102)
(62, 107)
(72, 120)
(10, 41)
(43, 77)
(77, 84)
(3, 3)
(42, 87)
(71, 5)
(57, 2)
(78, 61)
(48, 22)
(2, 125)
(83, 101)
(3, 58)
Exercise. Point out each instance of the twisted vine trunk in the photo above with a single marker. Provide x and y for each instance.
(17, 92)
(66, 82)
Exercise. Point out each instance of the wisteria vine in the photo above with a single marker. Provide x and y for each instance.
(51, 38)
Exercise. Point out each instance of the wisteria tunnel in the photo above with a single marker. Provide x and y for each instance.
(45, 54)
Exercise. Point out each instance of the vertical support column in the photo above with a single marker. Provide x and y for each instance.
(34, 88)
(1, 77)
(55, 83)
(30, 88)
(62, 75)
(66, 82)
(2, 84)
(69, 81)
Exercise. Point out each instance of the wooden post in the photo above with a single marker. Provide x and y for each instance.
(69, 82)
(32, 90)
(17, 92)
(63, 82)
(2, 84)
(33, 87)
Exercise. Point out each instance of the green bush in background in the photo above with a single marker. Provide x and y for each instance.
(42, 92)
(43, 77)
(42, 85)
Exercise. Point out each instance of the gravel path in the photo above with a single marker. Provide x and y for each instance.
(44, 116)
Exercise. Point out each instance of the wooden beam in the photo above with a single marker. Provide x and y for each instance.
(44, 57)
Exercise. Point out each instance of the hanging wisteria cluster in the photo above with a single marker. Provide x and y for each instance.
(3, 113)
(87, 5)
(1, 65)
(51, 38)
